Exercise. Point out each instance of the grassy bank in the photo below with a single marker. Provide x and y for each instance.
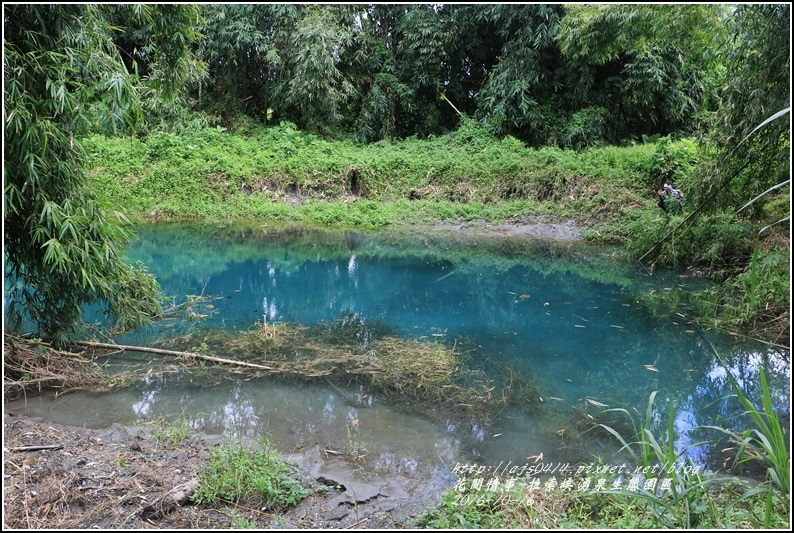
(281, 173)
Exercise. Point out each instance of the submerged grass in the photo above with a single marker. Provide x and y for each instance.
(421, 371)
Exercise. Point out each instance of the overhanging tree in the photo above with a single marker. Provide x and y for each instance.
(745, 160)
(63, 247)
(652, 67)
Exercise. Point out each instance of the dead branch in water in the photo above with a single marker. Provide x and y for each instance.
(31, 365)
(160, 351)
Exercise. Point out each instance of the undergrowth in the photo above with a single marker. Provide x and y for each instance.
(281, 172)
(239, 474)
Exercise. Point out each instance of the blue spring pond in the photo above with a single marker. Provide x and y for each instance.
(571, 319)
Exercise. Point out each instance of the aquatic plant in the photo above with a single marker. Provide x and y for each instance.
(424, 371)
(766, 443)
(356, 443)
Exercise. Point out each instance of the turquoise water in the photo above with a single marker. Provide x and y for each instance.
(565, 317)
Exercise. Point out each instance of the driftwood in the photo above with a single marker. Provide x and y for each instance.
(160, 351)
(169, 501)
(36, 447)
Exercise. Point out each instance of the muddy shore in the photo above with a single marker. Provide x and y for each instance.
(536, 227)
(58, 477)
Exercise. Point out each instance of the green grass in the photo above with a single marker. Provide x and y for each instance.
(463, 176)
(170, 434)
(237, 473)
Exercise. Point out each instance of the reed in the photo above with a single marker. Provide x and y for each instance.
(687, 503)
(766, 442)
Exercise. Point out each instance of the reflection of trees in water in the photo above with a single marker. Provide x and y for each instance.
(702, 395)
(490, 294)
(716, 405)
(194, 394)
(215, 401)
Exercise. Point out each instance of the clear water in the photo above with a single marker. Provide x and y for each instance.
(565, 317)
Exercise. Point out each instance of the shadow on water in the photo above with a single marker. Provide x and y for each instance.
(438, 348)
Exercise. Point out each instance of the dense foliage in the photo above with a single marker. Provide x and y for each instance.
(271, 170)
(63, 244)
(547, 74)
(428, 107)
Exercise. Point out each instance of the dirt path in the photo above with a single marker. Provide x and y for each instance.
(106, 478)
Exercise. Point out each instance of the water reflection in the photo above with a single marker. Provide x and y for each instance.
(563, 318)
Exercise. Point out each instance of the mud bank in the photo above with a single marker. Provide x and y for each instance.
(539, 227)
(58, 477)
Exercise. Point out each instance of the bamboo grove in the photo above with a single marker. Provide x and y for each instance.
(567, 76)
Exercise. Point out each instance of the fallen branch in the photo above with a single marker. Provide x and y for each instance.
(160, 351)
(170, 500)
(35, 447)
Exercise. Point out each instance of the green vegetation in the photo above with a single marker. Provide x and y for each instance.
(668, 492)
(459, 113)
(425, 372)
(64, 243)
(282, 173)
(170, 433)
(688, 503)
(249, 475)
(528, 503)
(766, 443)
(356, 443)
(452, 132)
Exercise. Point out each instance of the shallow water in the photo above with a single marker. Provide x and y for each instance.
(564, 317)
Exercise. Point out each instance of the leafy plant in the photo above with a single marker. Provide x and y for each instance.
(236, 472)
(647, 453)
(64, 78)
(687, 503)
(766, 443)
(170, 434)
(476, 507)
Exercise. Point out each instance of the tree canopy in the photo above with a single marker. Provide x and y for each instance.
(549, 74)
(568, 76)
(63, 75)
